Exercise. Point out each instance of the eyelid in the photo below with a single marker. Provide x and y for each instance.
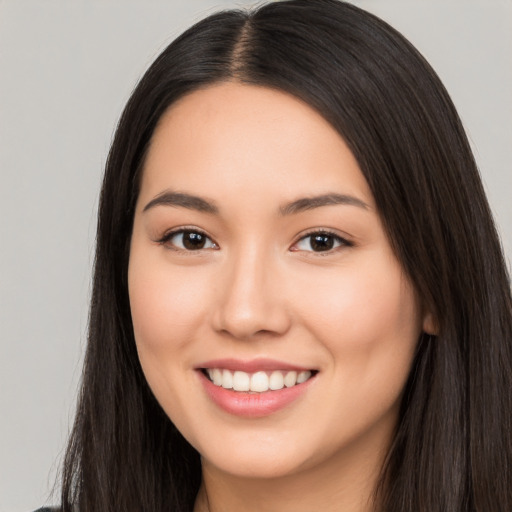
(344, 242)
(166, 237)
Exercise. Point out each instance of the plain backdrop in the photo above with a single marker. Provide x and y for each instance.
(66, 69)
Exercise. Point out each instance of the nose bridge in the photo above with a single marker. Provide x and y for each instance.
(251, 300)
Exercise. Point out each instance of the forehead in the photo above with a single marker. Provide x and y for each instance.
(245, 139)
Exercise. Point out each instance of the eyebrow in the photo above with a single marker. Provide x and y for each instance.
(189, 201)
(192, 202)
(309, 203)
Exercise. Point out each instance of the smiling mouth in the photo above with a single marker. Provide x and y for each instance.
(257, 382)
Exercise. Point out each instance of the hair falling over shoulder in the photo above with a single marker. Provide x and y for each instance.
(452, 450)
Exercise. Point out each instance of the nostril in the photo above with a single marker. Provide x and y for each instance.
(250, 303)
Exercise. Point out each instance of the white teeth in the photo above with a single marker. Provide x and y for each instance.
(276, 381)
(303, 377)
(227, 379)
(257, 382)
(290, 379)
(217, 377)
(241, 381)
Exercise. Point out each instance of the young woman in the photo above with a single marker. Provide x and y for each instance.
(300, 301)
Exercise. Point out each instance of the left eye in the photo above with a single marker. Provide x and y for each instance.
(189, 240)
(320, 242)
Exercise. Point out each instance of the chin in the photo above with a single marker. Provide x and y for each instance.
(254, 467)
(262, 455)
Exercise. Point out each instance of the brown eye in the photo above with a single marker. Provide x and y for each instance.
(189, 240)
(320, 242)
(193, 241)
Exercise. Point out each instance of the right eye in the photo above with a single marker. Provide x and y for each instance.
(188, 240)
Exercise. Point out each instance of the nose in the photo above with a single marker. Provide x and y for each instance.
(251, 297)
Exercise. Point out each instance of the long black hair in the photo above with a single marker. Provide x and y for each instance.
(452, 450)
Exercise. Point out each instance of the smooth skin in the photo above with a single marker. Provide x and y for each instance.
(248, 280)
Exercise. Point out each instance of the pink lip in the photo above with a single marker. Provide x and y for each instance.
(251, 366)
(252, 405)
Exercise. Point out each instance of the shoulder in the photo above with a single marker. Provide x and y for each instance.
(47, 509)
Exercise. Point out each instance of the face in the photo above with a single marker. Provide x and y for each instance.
(273, 322)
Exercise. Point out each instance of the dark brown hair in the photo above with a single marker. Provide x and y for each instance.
(453, 445)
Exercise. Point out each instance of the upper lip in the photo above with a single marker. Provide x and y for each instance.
(251, 366)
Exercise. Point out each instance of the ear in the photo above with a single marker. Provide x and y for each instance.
(430, 325)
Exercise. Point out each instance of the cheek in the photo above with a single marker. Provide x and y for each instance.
(375, 295)
(367, 318)
(166, 307)
(369, 325)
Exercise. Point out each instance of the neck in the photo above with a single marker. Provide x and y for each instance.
(344, 482)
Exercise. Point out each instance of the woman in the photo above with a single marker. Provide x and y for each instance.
(299, 297)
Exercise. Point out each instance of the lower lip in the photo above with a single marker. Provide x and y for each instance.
(253, 405)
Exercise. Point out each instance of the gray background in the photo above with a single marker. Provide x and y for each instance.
(66, 69)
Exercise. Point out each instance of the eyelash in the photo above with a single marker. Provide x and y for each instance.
(343, 242)
(167, 237)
